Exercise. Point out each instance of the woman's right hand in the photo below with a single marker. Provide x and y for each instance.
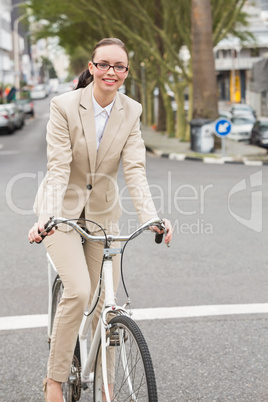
(34, 232)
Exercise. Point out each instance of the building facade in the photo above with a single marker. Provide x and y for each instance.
(6, 43)
(234, 60)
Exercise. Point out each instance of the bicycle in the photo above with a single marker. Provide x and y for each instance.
(118, 361)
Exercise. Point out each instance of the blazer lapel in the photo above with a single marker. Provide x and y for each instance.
(111, 129)
(88, 122)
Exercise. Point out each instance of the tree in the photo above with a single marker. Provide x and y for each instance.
(205, 103)
(47, 69)
(154, 31)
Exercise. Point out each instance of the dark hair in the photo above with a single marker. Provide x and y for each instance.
(85, 78)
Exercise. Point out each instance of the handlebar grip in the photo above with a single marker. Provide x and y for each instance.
(159, 237)
(46, 224)
(43, 236)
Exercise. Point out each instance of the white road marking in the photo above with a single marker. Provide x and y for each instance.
(40, 320)
(23, 322)
(9, 152)
(177, 157)
(248, 162)
(219, 161)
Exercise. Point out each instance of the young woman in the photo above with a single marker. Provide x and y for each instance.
(90, 130)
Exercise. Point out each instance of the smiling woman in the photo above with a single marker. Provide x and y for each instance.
(104, 65)
(91, 129)
(110, 71)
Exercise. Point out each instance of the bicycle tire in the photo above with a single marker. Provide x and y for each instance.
(71, 390)
(129, 365)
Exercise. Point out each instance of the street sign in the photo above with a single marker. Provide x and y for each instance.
(222, 127)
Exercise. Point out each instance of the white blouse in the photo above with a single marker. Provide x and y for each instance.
(101, 117)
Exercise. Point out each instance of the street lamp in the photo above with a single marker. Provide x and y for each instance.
(17, 52)
(143, 82)
(16, 39)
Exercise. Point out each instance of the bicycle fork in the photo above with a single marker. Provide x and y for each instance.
(111, 307)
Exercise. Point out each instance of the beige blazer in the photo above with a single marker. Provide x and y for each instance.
(80, 178)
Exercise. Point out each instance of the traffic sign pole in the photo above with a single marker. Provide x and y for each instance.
(222, 127)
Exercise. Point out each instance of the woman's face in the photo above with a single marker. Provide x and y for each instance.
(108, 82)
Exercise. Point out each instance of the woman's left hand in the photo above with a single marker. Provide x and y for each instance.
(169, 230)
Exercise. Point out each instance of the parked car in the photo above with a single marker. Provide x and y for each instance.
(16, 114)
(225, 114)
(64, 87)
(241, 127)
(239, 109)
(259, 133)
(39, 92)
(6, 121)
(26, 106)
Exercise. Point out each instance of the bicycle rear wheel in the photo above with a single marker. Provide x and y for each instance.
(72, 388)
(130, 370)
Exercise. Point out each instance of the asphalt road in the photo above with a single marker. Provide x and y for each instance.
(218, 257)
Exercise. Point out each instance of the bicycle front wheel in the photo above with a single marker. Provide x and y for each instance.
(130, 372)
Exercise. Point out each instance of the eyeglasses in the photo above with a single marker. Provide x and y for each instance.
(106, 67)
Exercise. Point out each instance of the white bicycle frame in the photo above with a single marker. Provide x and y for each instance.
(110, 306)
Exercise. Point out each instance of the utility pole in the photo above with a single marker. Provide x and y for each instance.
(17, 52)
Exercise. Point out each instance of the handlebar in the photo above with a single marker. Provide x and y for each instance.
(54, 222)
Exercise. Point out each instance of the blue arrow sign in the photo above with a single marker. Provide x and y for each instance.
(222, 127)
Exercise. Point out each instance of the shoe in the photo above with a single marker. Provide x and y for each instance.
(45, 388)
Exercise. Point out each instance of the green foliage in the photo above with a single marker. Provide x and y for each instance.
(229, 19)
(48, 66)
(79, 58)
(154, 30)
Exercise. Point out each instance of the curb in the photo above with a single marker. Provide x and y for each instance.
(216, 161)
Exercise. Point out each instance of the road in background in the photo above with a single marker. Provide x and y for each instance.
(217, 257)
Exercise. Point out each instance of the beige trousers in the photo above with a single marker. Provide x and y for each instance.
(79, 268)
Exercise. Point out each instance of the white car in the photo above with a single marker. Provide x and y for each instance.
(241, 128)
(64, 87)
(239, 109)
(39, 92)
(7, 124)
(17, 116)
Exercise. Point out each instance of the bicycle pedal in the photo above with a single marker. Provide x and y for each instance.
(84, 385)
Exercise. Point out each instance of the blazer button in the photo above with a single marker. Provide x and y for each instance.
(89, 186)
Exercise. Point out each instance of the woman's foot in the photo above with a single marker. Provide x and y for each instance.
(53, 391)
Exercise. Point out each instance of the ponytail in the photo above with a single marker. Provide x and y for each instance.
(84, 79)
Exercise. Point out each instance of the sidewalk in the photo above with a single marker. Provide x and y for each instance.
(172, 148)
